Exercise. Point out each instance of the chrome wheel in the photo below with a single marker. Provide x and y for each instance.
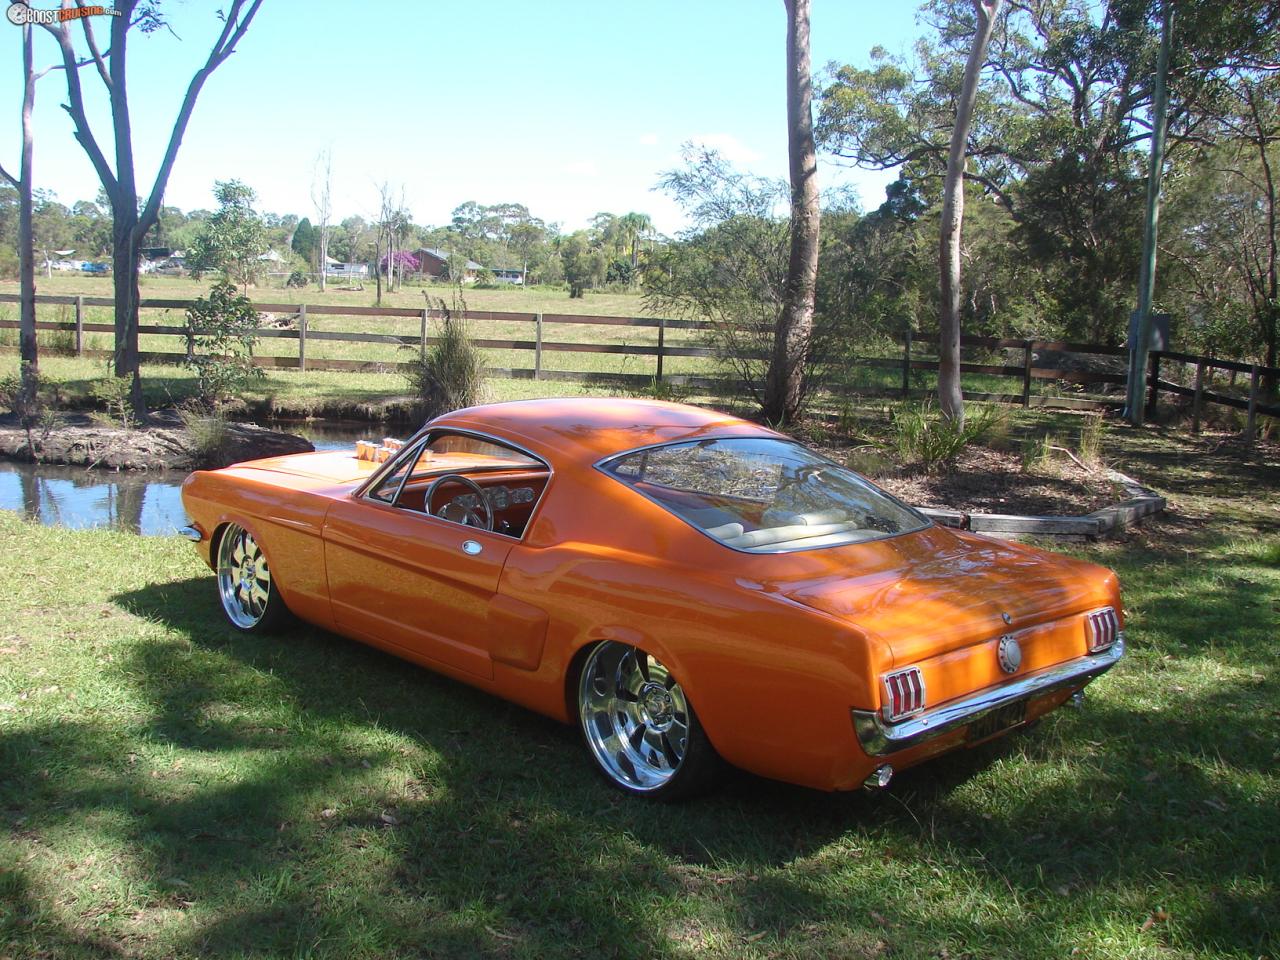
(244, 580)
(635, 717)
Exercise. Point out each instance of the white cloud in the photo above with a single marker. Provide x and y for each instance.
(728, 146)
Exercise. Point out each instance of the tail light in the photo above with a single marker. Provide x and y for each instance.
(903, 694)
(1101, 629)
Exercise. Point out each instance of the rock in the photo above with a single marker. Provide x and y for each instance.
(166, 444)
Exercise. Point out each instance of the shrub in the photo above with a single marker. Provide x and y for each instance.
(933, 441)
(450, 373)
(113, 394)
(297, 280)
(206, 434)
(224, 327)
(1091, 435)
(1037, 451)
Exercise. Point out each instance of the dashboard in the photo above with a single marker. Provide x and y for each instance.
(500, 497)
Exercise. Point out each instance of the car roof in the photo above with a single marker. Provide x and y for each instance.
(588, 429)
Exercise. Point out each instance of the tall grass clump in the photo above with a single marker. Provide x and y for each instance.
(924, 437)
(449, 374)
(1092, 433)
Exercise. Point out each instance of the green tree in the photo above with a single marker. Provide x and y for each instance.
(584, 265)
(233, 238)
(304, 240)
(222, 330)
(730, 267)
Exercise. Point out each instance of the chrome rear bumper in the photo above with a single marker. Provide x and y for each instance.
(879, 738)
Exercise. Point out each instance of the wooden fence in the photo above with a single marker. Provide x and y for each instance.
(1025, 372)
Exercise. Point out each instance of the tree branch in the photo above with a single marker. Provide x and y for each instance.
(75, 108)
(93, 47)
(232, 32)
(10, 177)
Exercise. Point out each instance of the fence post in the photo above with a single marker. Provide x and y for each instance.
(906, 365)
(1155, 385)
(302, 336)
(1198, 399)
(537, 345)
(662, 332)
(79, 326)
(1026, 374)
(1251, 421)
(422, 336)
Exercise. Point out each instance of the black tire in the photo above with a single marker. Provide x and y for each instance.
(247, 592)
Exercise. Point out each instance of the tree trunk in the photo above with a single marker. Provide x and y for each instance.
(126, 241)
(785, 380)
(28, 347)
(950, 397)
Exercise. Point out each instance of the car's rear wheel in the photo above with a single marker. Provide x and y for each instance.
(249, 597)
(640, 728)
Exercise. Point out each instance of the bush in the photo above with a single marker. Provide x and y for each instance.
(206, 434)
(1091, 435)
(449, 374)
(224, 327)
(934, 441)
(113, 394)
(297, 280)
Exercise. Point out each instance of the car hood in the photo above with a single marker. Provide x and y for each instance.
(927, 593)
(330, 466)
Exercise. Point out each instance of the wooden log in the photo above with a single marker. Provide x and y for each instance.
(537, 348)
(302, 337)
(1251, 419)
(1026, 374)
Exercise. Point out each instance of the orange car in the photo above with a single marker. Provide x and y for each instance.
(688, 587)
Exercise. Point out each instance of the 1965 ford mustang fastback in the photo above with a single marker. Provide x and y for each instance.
(686, 587)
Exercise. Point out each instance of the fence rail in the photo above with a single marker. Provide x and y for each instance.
(1027, 371)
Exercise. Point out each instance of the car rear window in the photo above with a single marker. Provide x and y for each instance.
(762, 495)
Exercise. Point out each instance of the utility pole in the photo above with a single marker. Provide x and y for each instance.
(1141, 344)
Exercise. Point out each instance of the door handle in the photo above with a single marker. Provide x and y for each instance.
(471, 548)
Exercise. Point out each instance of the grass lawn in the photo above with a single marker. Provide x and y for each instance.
(171, 789)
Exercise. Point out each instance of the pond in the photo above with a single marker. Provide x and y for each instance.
(146, 503)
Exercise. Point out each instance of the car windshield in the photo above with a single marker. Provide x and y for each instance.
(763, 495)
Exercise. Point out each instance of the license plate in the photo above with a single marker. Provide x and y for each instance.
(997, 721)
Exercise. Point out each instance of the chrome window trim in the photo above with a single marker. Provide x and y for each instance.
(603, 464)
(879, 738)
(413, 447)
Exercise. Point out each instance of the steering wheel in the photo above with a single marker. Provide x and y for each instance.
(470, 514)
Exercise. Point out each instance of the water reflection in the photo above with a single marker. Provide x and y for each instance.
(78, 498)
(146, 503)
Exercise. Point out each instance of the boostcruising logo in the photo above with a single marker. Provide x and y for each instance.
(20, 14)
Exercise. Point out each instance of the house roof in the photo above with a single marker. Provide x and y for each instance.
(444, 255)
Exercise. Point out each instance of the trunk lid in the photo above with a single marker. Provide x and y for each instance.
(935, 591)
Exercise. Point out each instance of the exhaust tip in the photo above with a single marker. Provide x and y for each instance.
(879, 778)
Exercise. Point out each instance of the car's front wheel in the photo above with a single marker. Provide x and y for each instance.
(639, 726)
(249, 597)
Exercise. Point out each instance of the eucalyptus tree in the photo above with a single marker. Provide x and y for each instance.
(133, 214)
(785, 385)
(1061, 123)
(28, 350)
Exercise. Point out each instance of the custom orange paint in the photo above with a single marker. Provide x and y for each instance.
(688, 587)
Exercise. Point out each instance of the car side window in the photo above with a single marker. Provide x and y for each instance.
(510, 481)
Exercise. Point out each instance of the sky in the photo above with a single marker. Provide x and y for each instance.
(570, 107)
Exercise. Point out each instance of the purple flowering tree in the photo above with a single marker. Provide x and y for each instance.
(402, 262)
